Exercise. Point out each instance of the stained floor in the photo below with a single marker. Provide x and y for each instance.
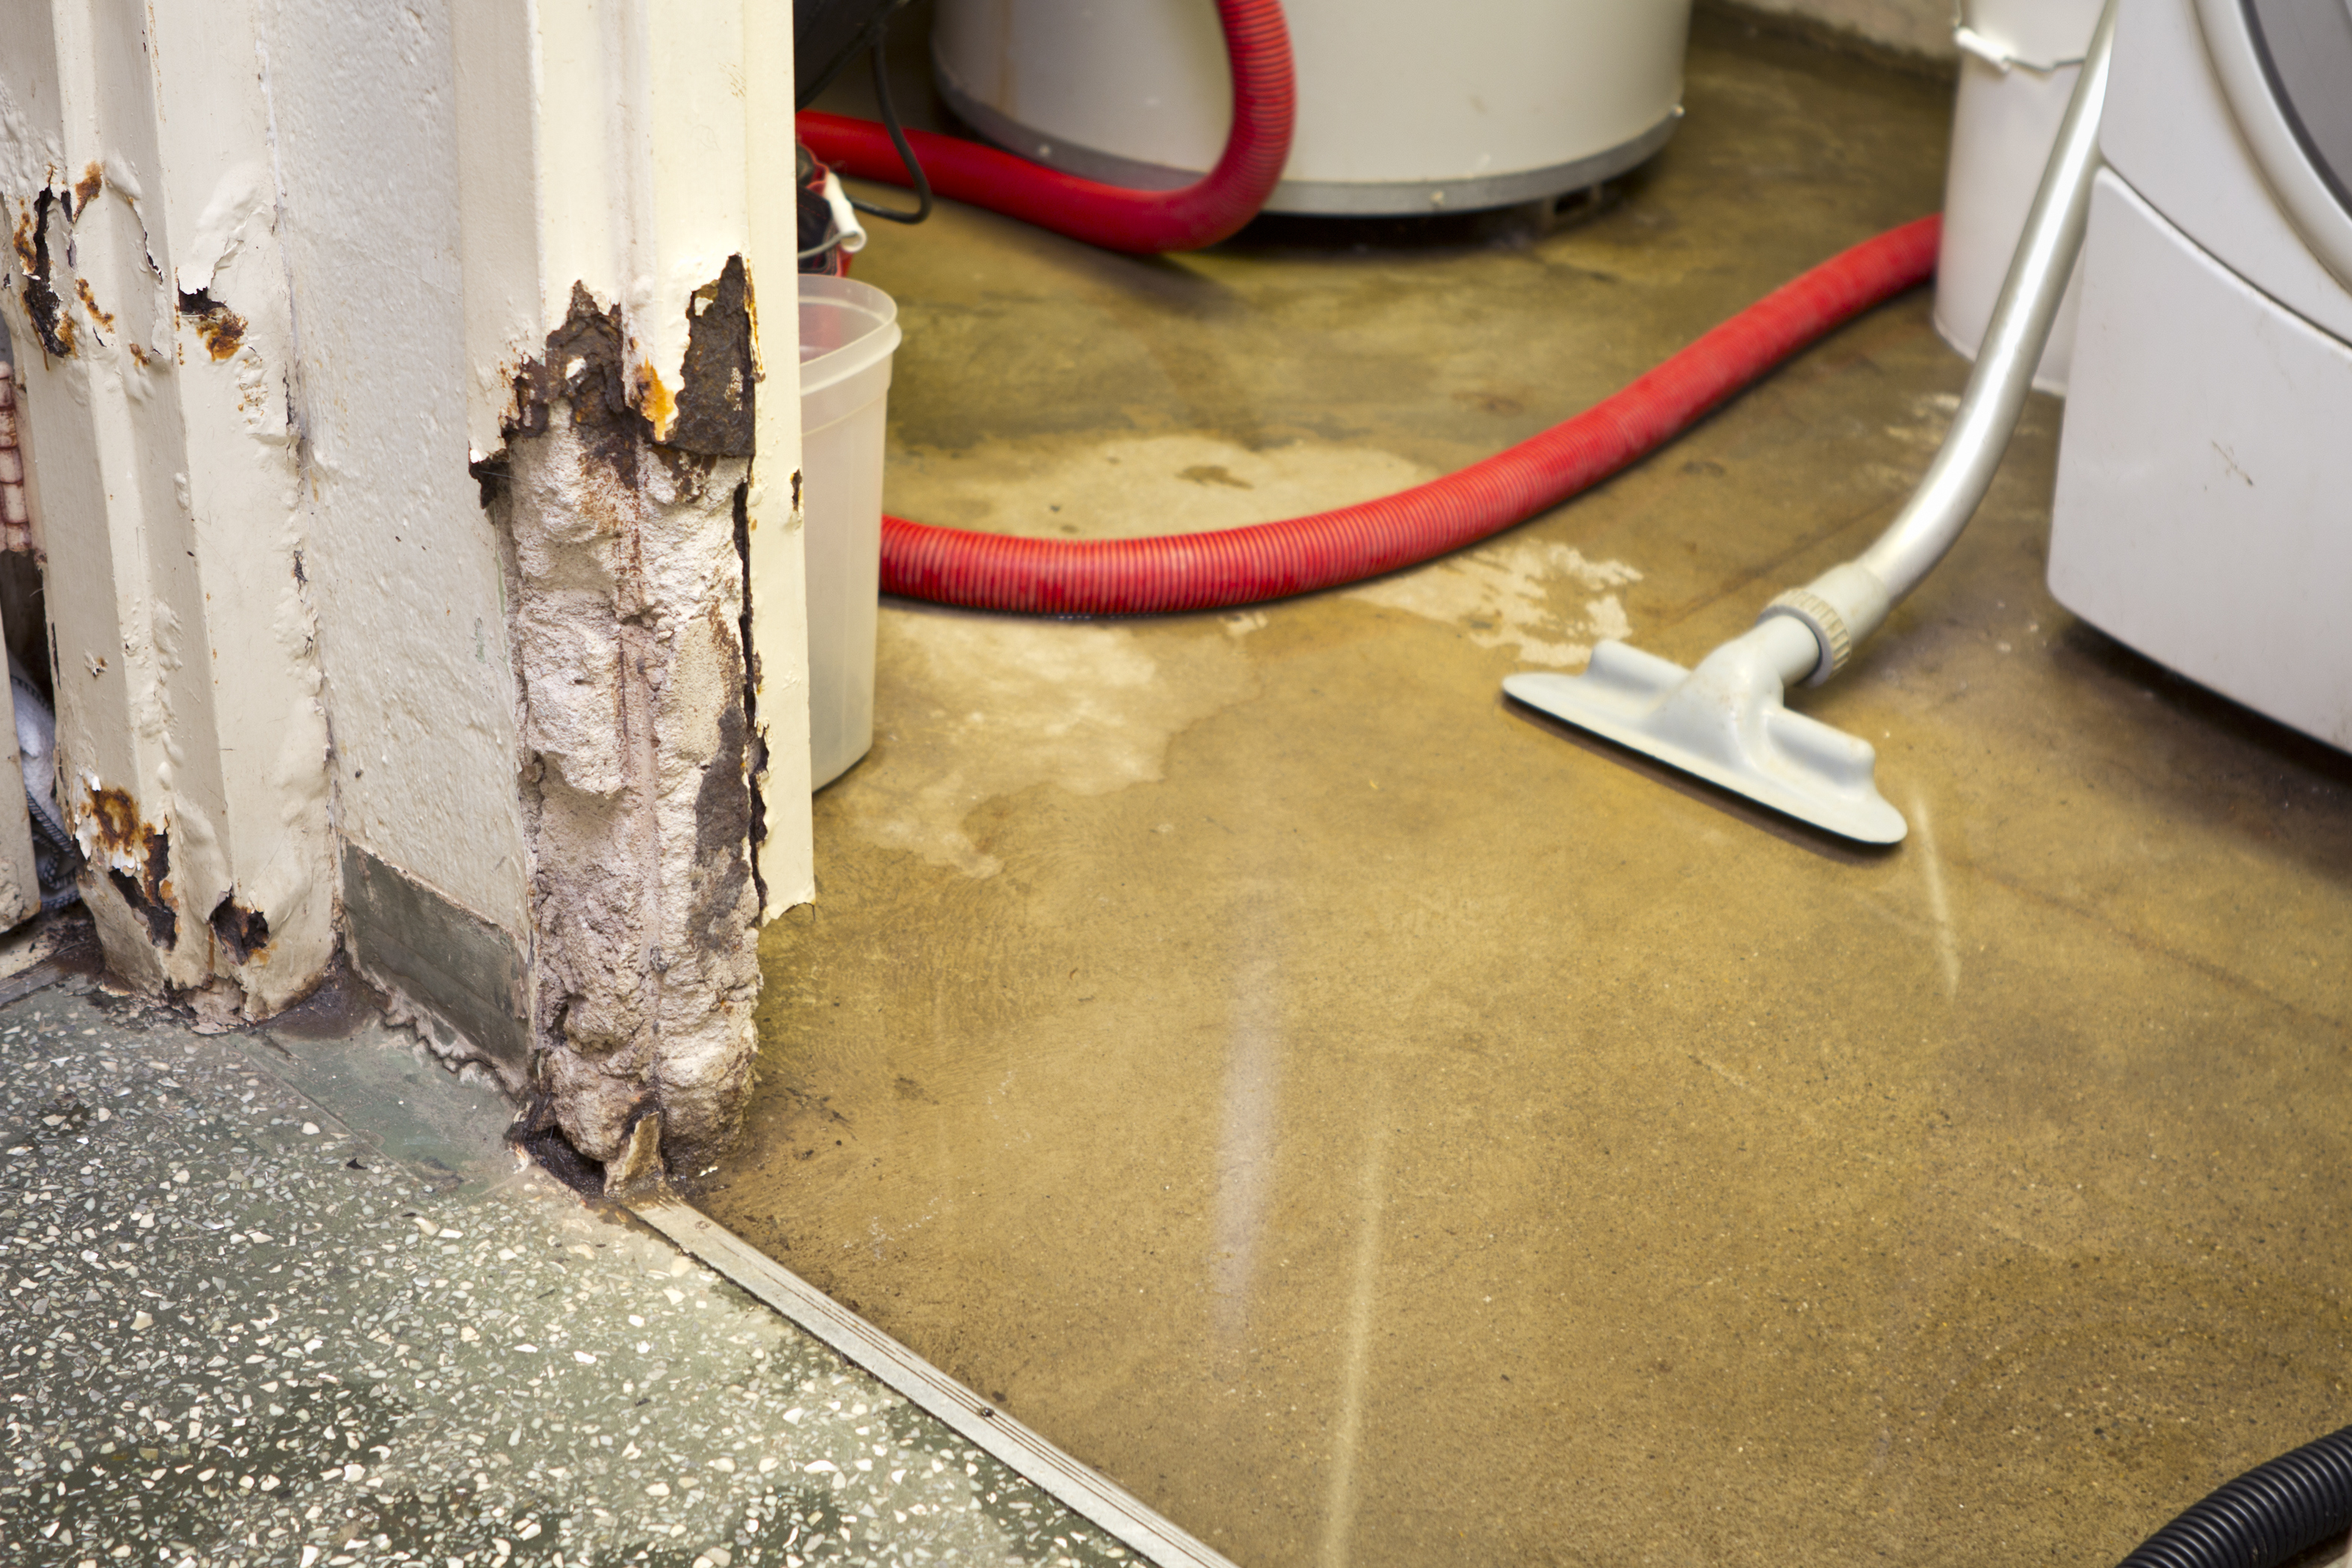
(1381, 1128)
(288, 1300)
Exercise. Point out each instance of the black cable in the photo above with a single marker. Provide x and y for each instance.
(2265, 1516)
(906, 153)
(868, 37)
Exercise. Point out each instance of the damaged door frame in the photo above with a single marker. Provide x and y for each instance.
(262, 281)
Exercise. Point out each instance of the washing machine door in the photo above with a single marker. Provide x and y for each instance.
(2286, 69)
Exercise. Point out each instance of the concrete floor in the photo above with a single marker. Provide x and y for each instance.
(1378, 1127)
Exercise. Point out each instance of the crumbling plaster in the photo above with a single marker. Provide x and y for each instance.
(566, 328)
(628, 604)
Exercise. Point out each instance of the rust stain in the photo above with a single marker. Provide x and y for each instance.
(654, 400)
(86, 189)
(118, 819)
(122, 838)
(89, 303)
(55, 328)
(244, 933)
(222, 329)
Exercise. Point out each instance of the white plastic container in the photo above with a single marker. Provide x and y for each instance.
(848, 332)
(2019, 59)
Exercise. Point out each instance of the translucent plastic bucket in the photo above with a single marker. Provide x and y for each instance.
(848, 332)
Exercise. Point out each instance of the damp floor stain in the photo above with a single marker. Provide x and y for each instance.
(1388, 1129)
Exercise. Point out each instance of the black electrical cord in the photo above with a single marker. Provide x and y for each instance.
(868, 37)
(899, 140)
(2264, 1517)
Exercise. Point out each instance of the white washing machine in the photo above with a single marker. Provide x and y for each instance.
(2204, 505)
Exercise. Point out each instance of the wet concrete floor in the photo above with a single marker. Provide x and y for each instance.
(1379, 1127)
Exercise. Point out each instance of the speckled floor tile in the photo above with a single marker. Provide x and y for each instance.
(248, 1323)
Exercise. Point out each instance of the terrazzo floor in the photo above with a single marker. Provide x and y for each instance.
(279, 1299)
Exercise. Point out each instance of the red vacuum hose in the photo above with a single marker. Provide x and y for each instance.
(1275, 560)
(1112, 217)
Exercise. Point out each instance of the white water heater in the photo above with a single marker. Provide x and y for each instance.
(1403, 107)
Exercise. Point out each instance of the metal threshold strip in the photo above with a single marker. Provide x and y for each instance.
(1078, 1487)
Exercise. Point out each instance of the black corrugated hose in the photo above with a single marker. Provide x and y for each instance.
(2265, 1516)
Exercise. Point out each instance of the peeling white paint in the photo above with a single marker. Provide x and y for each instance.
(242, 201)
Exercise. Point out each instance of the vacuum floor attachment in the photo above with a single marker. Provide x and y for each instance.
(1724, 722)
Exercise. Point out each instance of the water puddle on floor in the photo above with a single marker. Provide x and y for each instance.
(1381, 1129)
(1381, 1132)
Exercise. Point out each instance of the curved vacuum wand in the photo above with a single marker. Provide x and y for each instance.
(1724, 721)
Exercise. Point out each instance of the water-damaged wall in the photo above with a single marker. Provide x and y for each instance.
(532, 435)
(146, 296)
(402, 558)
(404, 453)
(626, 580)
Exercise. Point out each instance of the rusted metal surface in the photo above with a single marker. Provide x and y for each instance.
(42, 303)
(136, 855)
(723, 825)
(221, 328)
(755, 745)
(244, 933)
(717, 387)
(584, 367)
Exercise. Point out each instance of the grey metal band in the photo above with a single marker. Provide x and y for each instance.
(1069, 1481)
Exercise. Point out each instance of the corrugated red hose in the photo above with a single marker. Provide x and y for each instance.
(1275, 560)
(1112, 217)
